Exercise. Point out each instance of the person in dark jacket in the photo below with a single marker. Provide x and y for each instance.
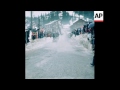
(27, 35)
(80, 30)
(33, 37)
(83, 29)
(93, 45)
(93, 63)
(77, 32)
(87, 28)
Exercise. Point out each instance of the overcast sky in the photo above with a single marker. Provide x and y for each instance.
(37, 13)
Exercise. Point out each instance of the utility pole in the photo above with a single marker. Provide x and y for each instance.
(31, 20)
(26, 35)
(38, 26)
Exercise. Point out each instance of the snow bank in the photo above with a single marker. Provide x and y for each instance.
(82, 40)
(37, 43)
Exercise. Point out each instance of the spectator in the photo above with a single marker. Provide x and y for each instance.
(93, 63)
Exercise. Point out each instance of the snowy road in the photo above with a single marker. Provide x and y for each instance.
(65, 59)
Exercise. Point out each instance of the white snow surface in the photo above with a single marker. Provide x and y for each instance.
(67, 58)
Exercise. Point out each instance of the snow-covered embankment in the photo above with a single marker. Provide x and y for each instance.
(82, 40)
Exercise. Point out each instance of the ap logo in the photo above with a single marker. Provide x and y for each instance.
(98, 16)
